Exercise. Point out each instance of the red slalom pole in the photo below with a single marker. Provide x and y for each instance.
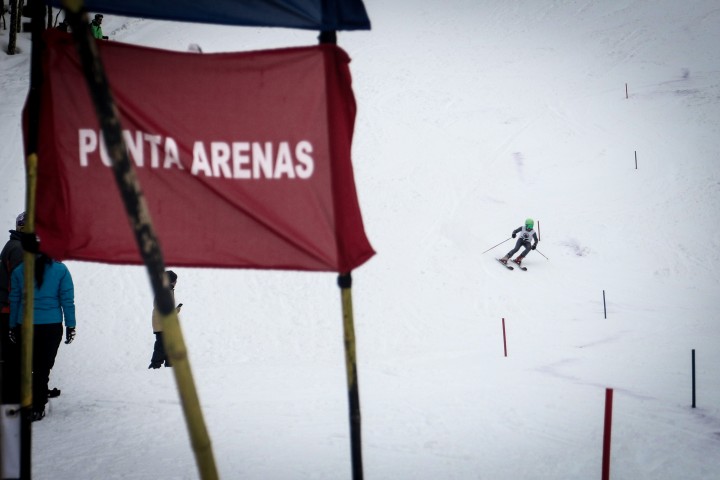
(606, 436)
(504, 338)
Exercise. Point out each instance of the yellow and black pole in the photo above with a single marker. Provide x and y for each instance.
(27, 332)
(140, 222)
(345, 284)
(26, 348)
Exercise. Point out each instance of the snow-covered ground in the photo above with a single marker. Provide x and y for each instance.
(472, 116)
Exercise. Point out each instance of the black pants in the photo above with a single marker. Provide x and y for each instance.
(9, 364)
(46, 341)
(159, 355)
(520, 243)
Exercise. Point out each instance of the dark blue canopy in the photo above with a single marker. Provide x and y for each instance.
(304, 14)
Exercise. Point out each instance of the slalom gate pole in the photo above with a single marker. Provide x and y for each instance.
(345, 284)
(140, 222)
(504, 337)
(495, 245)
(604, 305)
(539, 231)
(693, 378)
(607, 434)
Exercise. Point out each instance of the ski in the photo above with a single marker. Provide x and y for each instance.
(504, 264)
(524, 269)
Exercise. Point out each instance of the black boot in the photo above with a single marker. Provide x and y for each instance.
(37, 414)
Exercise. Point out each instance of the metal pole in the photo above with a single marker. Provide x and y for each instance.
(496, 245)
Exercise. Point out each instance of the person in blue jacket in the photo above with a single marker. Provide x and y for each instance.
(54, 300)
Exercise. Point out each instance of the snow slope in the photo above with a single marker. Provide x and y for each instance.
(472, 116)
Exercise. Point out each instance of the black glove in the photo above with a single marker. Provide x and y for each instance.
(69, 335)
(513, 235)
(533, 247)
(13, 334)
(30, 242)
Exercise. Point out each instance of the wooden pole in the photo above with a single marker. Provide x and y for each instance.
(26, 348)
(14, 22)
(345, 284)
(141, 223)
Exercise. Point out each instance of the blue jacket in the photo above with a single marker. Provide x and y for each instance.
(55, 298)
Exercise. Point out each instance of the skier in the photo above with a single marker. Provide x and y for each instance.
(159, 355)
(526, 233)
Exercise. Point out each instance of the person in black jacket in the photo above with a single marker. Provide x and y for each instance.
(10, 257)
(526, 234)
(159, 356)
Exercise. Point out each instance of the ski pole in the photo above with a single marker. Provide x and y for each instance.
(542, 254)
(497, 246)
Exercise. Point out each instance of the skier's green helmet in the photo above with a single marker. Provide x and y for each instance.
(529, 223)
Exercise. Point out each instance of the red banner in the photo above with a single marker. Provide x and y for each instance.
(243, 158)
